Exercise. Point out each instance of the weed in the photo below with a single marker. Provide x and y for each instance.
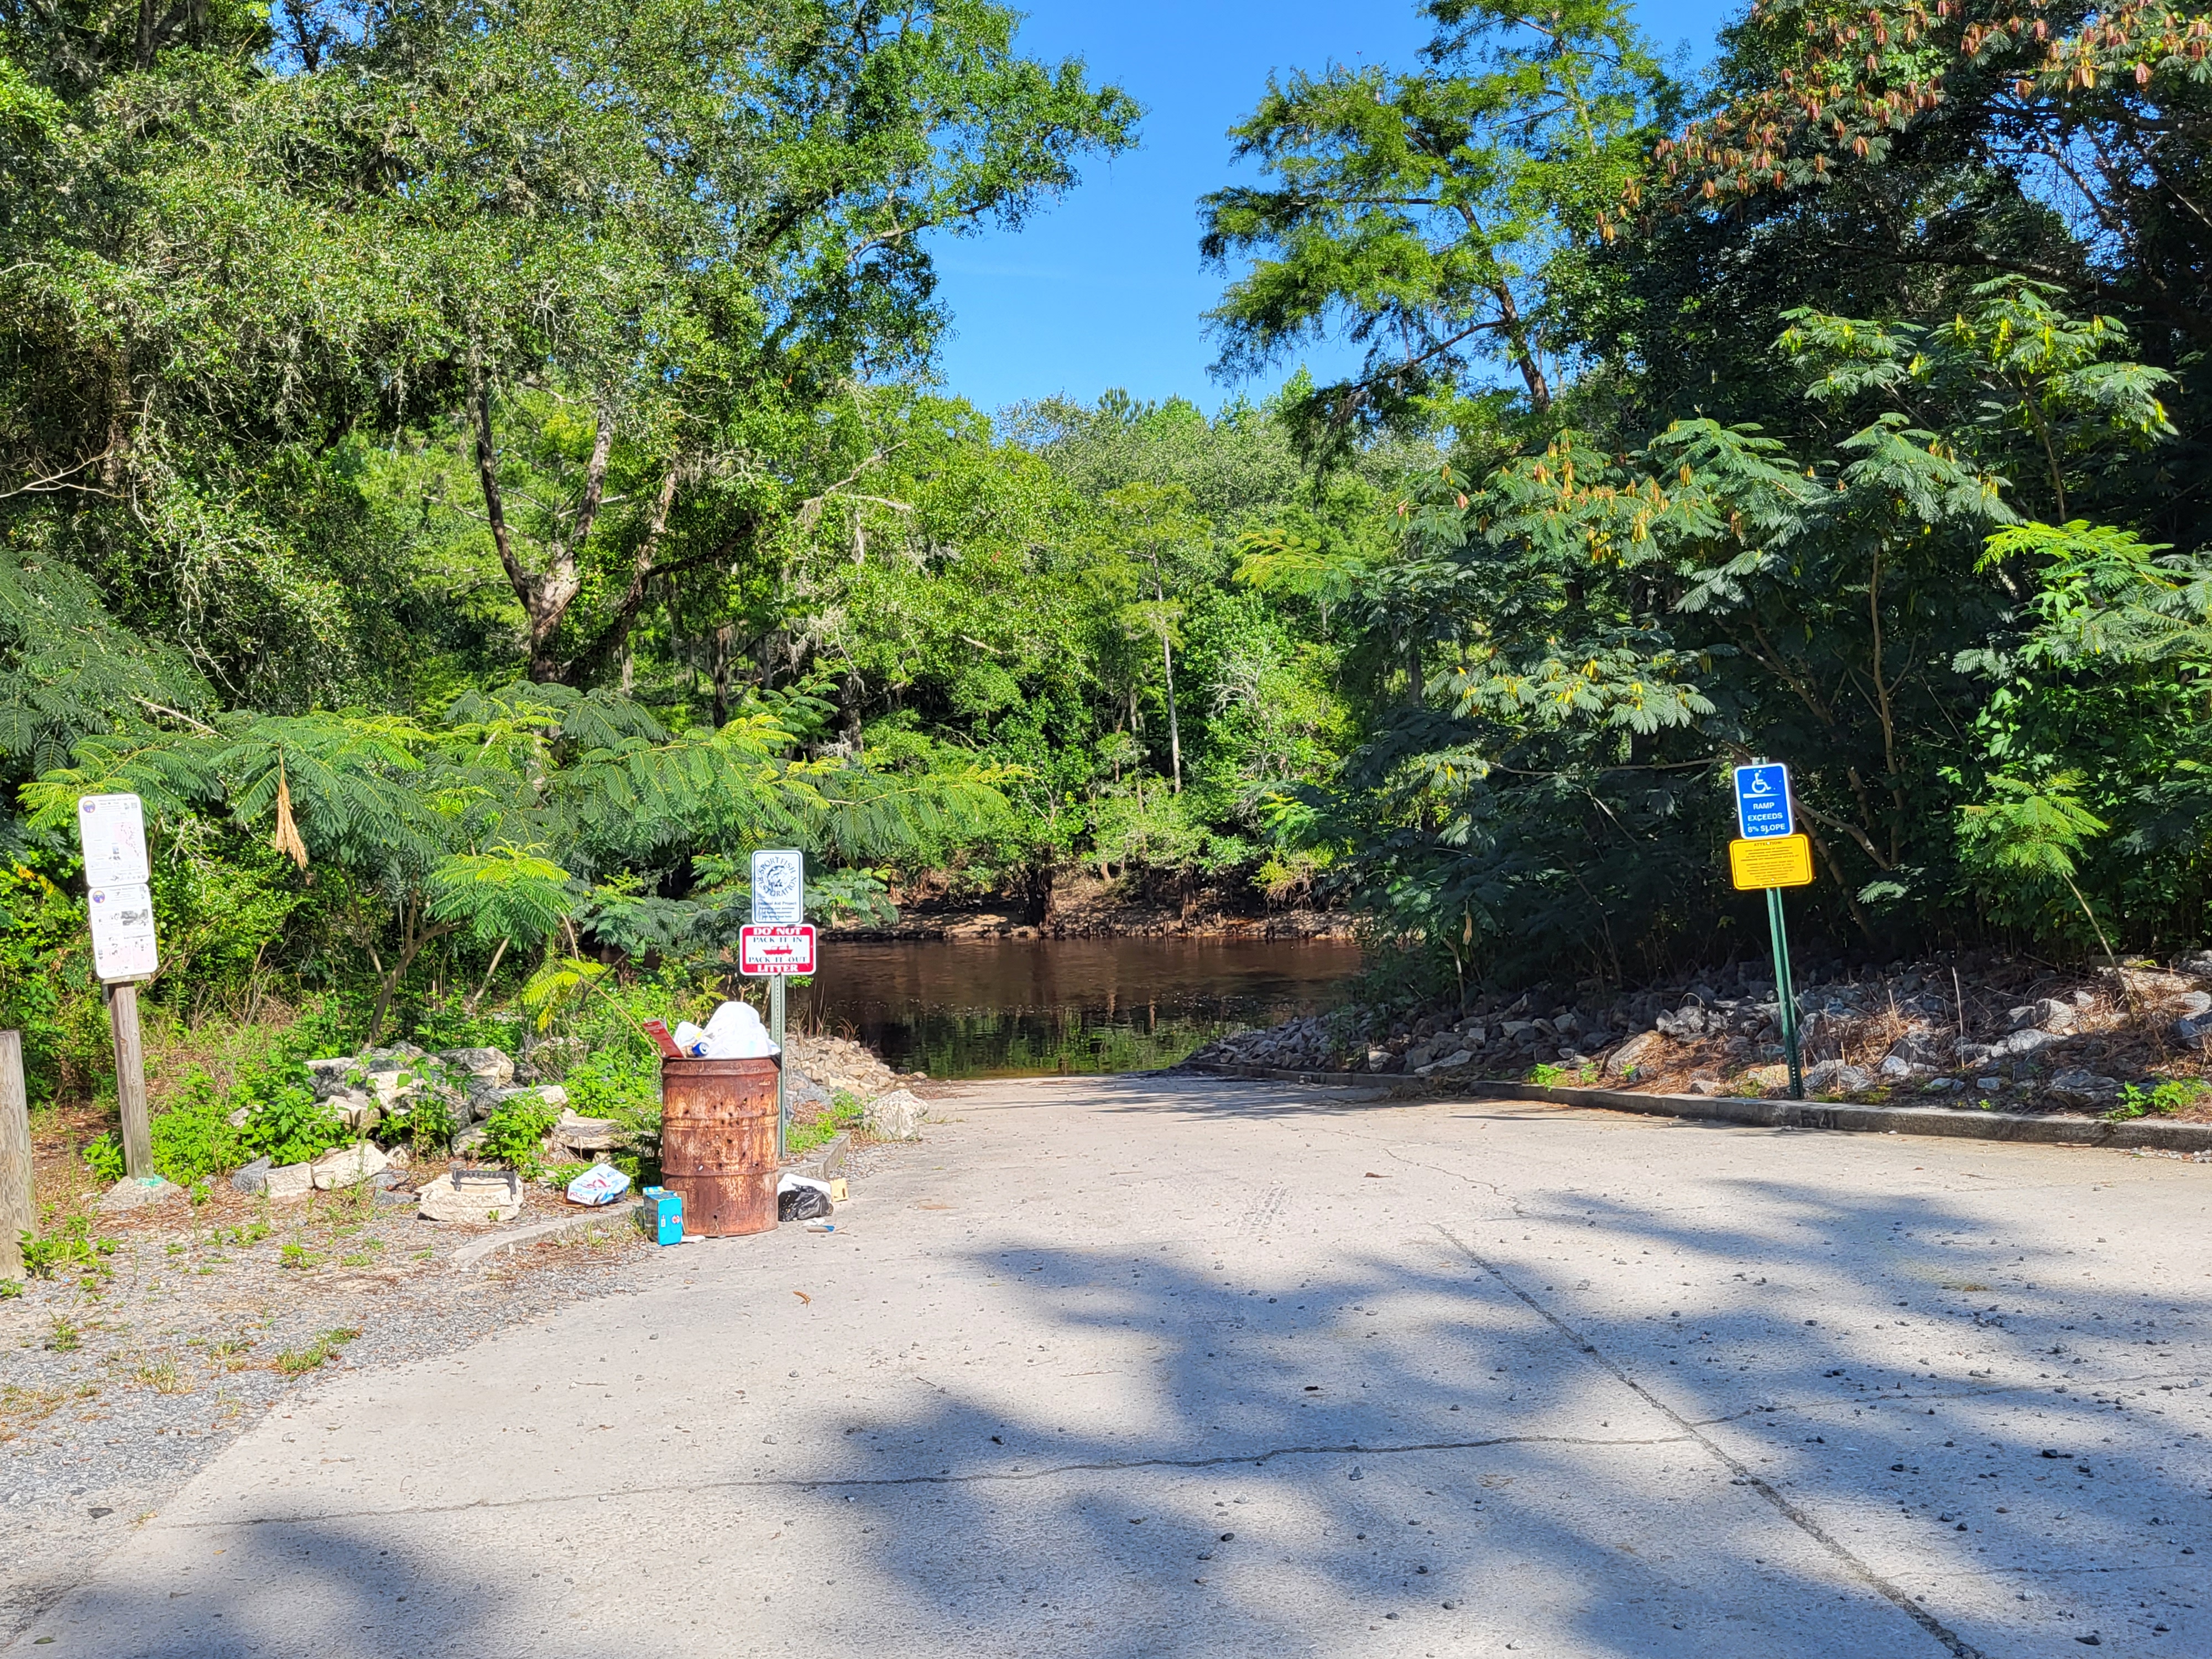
(69, 1246)
(163, 1377)
(844, 1112)
(201, 1192)
(363, 1257)
(176, 1249)
(24, 1408)
(2171, 1096)
(298, 1257)
(297, 1362)
(229, 1352)
(1546, 1076)
(62, 1337)
(10, 1288)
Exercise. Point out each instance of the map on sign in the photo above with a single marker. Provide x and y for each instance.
(123, 933)
(112, 829)
(779, 888)
(765, 952)
(1762, 801)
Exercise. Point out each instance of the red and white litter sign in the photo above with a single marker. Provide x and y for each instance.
(766, 951)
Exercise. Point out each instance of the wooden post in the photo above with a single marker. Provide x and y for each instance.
(18, 1211)
(130, 1080)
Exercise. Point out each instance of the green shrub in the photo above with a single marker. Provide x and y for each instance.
(513, 1131)
(104, 1158)
(193, 1139)
(288, 1124)
(844, 1112)
(427, 1126)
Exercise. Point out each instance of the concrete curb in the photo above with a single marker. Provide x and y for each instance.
(2152, 1133)
(482, 1250)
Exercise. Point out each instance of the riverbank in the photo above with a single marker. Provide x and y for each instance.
(1084, 907)
(1998, 1035)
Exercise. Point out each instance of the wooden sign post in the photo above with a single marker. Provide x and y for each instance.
(113, 831)
(19, 1211)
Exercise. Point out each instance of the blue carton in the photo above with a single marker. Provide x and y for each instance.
(662, 1215)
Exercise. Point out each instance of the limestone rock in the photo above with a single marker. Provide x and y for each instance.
(897, 1116)
(253, 1179)
(478, 1198)
(134, 1192)
(589, 1134)
(347, 1165)
(290, 1180)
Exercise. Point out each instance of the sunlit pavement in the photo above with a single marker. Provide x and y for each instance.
(1186, 1367)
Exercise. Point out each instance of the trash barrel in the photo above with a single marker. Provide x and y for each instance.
(718, 1143)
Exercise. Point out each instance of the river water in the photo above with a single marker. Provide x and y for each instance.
(1009, 1007)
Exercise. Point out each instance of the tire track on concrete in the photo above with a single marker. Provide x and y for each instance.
(1951, 1641)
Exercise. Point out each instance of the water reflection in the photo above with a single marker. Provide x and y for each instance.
(1026, 1007)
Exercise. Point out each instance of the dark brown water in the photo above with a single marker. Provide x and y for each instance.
(1027, 1007)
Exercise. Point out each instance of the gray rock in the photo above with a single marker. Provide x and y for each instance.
(1895, 1068)
(1834, 1076)
(253, 1179)
(1636, 1054)
(897, 1116)
(134, 1192)
(1919, 1048)
(1941, 1085)
(2192, 1004)
(1989, 1085)
(2085, 1086)
(330, 1074)
(468, 1140)
(492, 1067)
(2053, 1015)
(2024, 1043)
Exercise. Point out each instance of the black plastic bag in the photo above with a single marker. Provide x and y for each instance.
(802, 1204)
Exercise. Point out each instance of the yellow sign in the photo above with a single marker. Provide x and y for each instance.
(1777, 861)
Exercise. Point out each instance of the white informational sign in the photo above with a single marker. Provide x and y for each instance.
(111, 828)
(779, 888)
(122, 931)
(764, 952)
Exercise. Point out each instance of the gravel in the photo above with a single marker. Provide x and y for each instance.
(117, 1387)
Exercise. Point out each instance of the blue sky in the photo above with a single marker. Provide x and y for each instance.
(1104, 288)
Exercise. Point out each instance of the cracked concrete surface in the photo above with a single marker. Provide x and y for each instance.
(1184, 1367)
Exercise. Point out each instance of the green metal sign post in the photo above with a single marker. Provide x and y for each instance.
(1785, 991)
(1771, 854)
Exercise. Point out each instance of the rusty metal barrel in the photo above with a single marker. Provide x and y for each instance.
(718, 1143)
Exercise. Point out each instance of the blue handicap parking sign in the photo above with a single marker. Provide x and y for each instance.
(1762, 800)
